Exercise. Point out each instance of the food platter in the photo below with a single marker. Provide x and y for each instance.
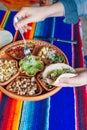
(45, 51)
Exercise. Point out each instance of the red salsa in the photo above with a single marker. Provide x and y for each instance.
(17, 52)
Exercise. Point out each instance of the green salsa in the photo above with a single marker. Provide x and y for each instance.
(31, 65)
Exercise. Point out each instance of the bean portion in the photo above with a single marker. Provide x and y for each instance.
(24, 86)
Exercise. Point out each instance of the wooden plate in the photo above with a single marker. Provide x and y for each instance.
(44, 94)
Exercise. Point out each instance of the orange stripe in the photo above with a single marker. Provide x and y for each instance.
(32, 31)
(15, 36)
(12, 120)
(17, 110)
(3, 20)
(0, 95)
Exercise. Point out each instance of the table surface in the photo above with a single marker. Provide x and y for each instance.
(66, 110)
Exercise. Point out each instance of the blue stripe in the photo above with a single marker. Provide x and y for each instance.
(35, 115)
(38, 30)
(48, 27)
(41, 115)
(1, 15)
(9, 25)
(53, 30)
(63, 31)
(27, 117)
(62, 110)
(45, 28)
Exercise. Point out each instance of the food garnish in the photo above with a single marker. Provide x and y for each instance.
(31, 65)
(17, 52)
(51, 55)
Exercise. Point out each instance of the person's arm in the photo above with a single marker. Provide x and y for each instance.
(65, 8)
(82, 8)
(77, 81)
(34, 14)
(71, 12)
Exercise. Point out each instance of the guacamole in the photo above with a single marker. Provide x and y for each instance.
(31, 65)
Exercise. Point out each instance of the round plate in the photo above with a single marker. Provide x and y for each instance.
(44, 94)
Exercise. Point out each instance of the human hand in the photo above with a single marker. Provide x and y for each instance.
(28, 15)
(35, 14)
(79, 80)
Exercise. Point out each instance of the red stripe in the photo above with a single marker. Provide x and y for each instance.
(27, 34)
(75, 97)
(80, 46)
(83, 88)
(82, 91)
(0, 96)
(9, 113)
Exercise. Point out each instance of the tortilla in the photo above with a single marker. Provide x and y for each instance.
(5, 37)
(64, 70)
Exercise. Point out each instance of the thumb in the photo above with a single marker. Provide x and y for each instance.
(62, 82)
(72, 81)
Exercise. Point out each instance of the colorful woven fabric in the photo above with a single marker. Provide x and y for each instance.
(67, 109)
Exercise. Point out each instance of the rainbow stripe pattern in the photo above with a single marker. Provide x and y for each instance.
(67, 109)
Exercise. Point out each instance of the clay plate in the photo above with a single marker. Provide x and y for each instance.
(44, 94)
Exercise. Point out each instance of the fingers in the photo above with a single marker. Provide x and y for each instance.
(70, 82)
(26, 28)
(65, 82)
(29, 15)
(24, 22)
(21, 13)
(77, 81)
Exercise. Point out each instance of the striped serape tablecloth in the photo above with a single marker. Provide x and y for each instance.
(67, 109)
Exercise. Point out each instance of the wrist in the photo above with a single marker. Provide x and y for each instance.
(55, 10)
